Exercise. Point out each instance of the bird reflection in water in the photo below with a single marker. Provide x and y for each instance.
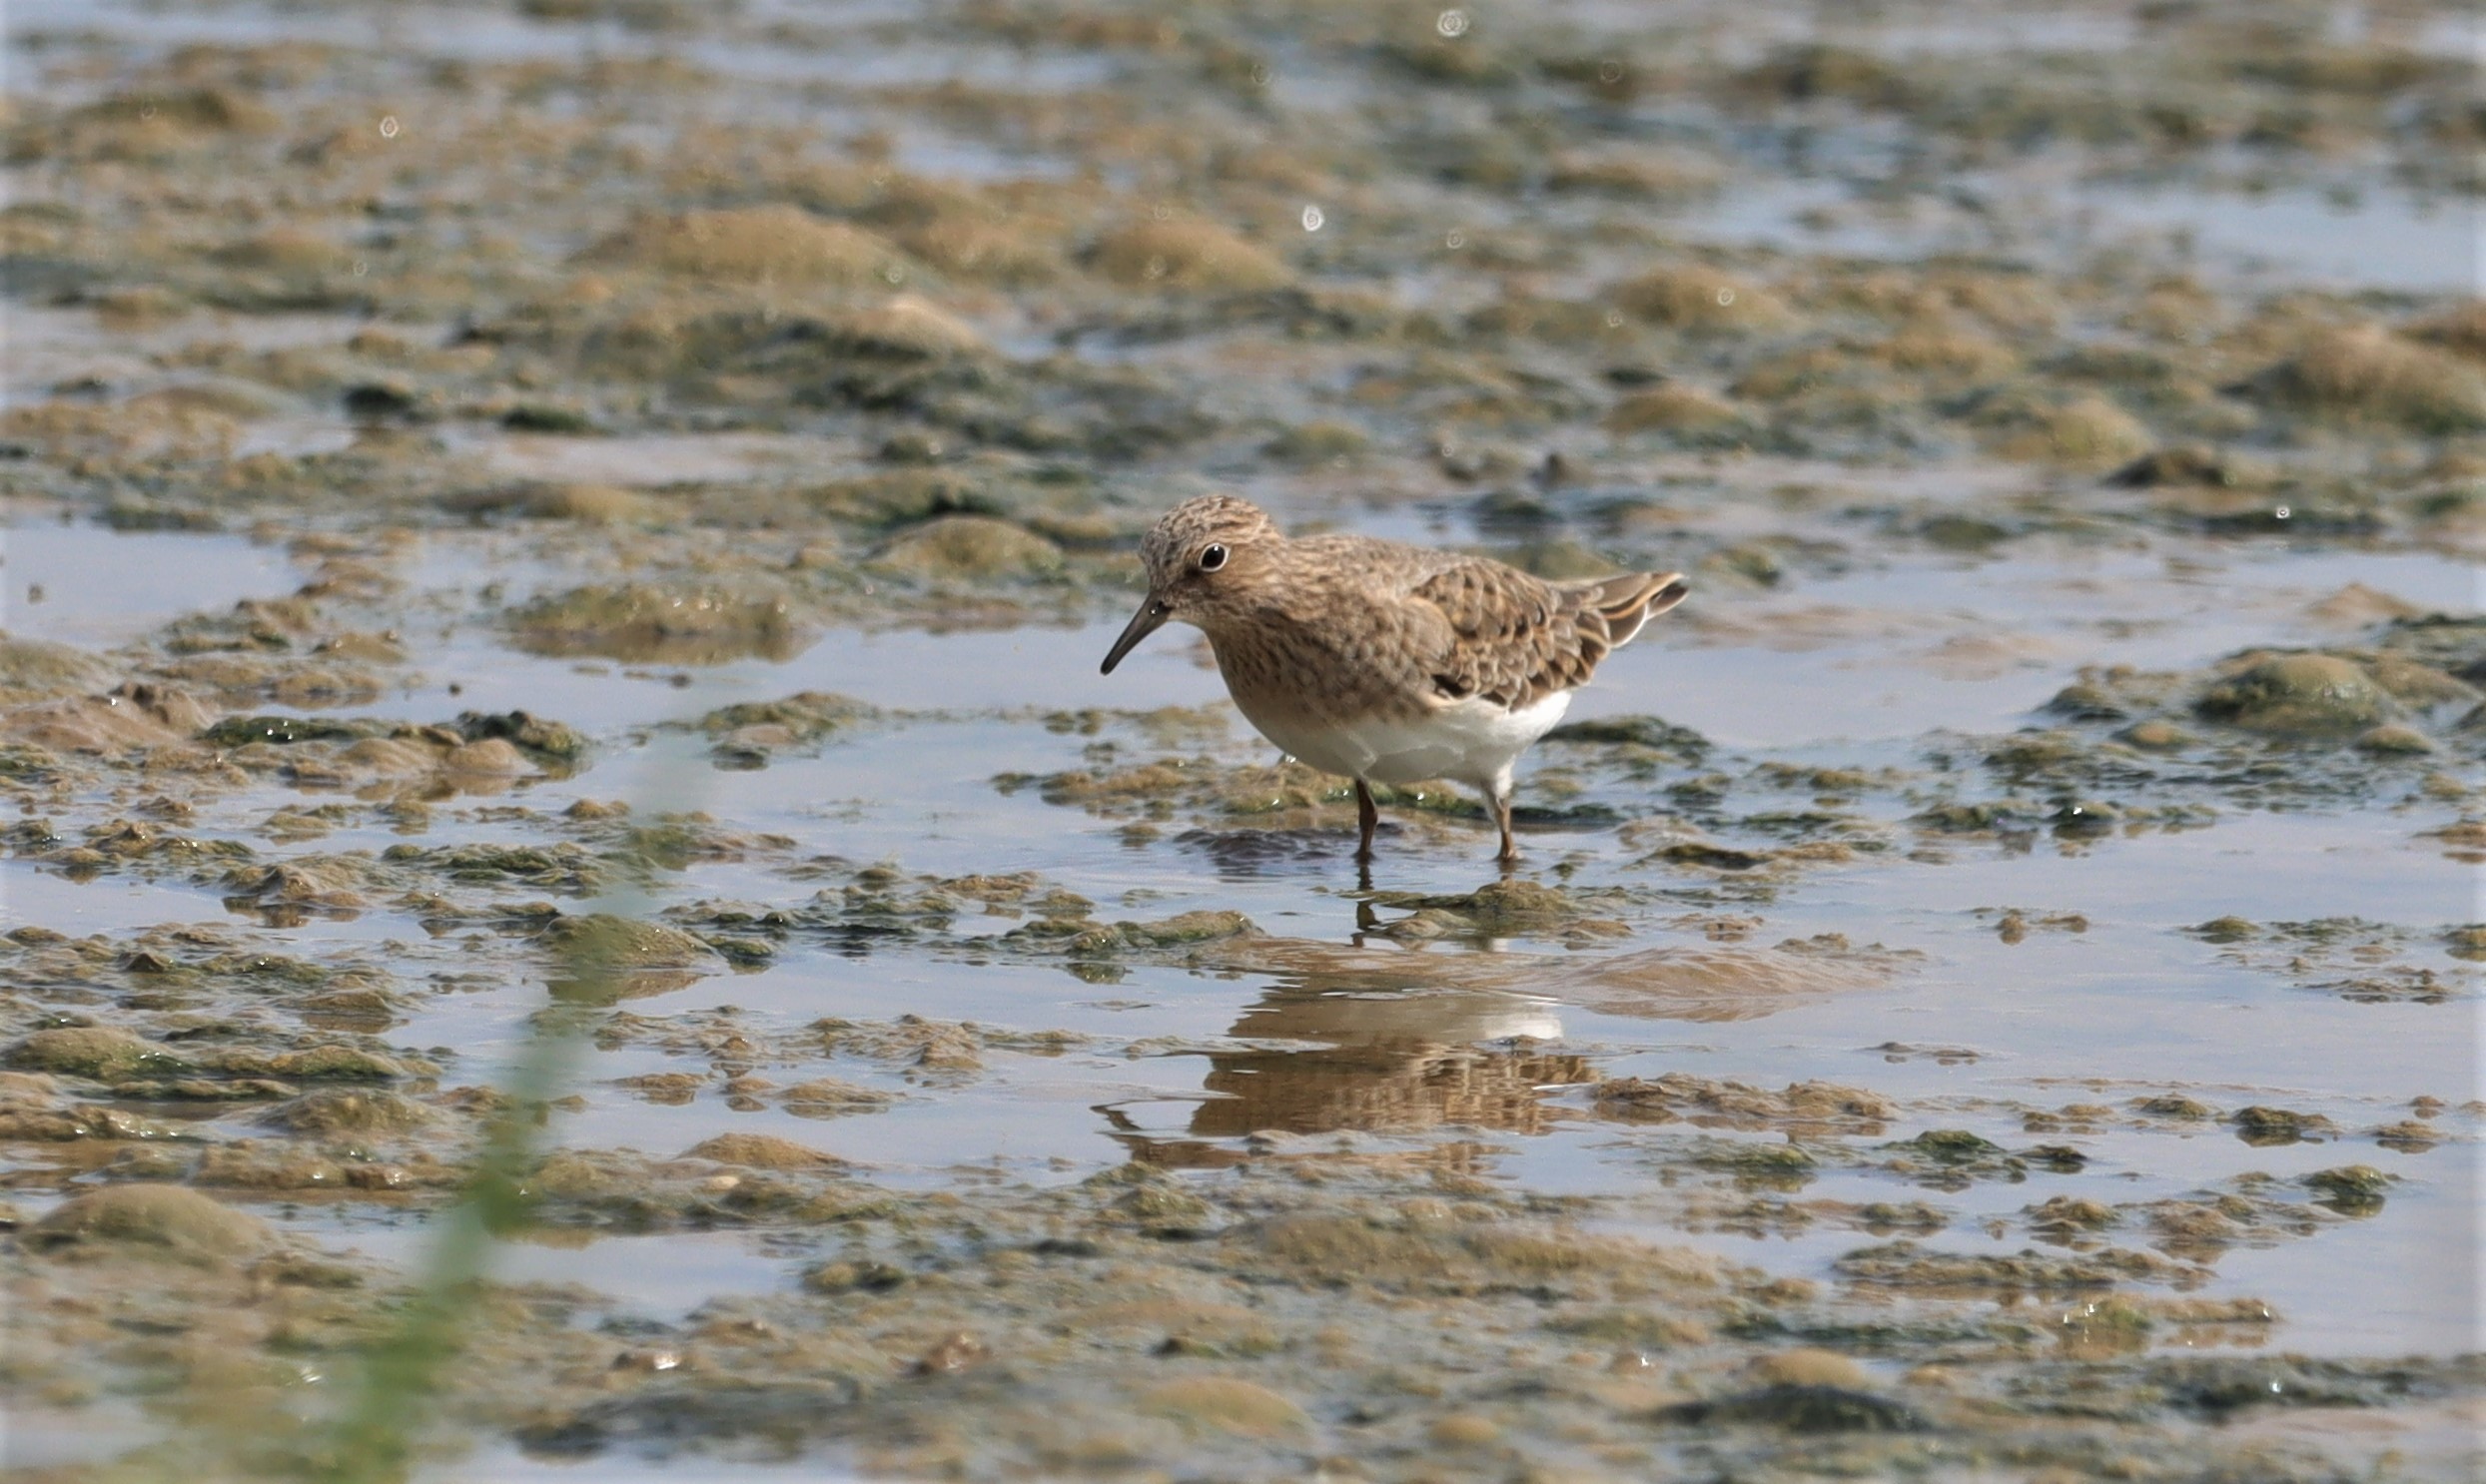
(1409, 1038)
(1390, 1062)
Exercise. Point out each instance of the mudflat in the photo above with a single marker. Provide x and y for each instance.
(576, 905)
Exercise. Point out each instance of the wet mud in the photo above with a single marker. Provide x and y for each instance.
(556, 560)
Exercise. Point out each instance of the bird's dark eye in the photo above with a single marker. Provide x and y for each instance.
(1211, 557)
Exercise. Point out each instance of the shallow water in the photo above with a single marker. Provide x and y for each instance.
(2380, 239)
(99, 588)
(2127, 1005)
(2128, 1008)
(2129, 997)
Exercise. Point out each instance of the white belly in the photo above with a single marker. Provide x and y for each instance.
(1471, 741)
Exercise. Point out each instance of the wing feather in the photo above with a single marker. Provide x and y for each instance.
(1629, 601)
(1515, 639)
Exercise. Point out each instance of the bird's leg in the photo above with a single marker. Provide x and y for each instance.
(1501, 819)
(1368, 817)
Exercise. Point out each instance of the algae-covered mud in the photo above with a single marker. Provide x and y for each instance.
(576, 907)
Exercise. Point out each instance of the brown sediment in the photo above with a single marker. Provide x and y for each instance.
(637, 389)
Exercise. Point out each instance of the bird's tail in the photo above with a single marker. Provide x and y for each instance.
(1629, 601)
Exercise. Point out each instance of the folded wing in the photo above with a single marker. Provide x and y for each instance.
(1515, 639)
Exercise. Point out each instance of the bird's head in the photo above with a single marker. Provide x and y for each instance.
(1201, 557)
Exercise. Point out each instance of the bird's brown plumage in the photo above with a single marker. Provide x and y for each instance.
(1323, 639)
(1339, 626)
(1516, 639)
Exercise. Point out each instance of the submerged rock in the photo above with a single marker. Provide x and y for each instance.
(1654, 734)
(284, 731)
(2179, 466)
(601, 504)
(1318, 442)
(333, 1063)
(2351, 1189)
(2413, 683)
(1498, 909)
(975, 547)
(1674, 407)
(336, 1110)
(177, 1221)
(698, 1414)
(1180, 931)
(2220, 1385)
(131, 715)
(2175, 1105)
(1696, 296)
(1812, 1106)
(801, 717)
(1185, 255)
(908, 327)
(828, 1097)
(749, 733)
(1905, 1264)
(853, 1277)
(325, 883)
(1225, 1405)
(2364, 372)
(666, 624)
(2155, 736)
(531, 733)
(2297, 693)
(601, 940)
(1807, 1367)
(2279, 1125)
(765, 244)
(2085, 429)
(36, 1116)
(98, 1052)
(37, 669)
(491, 758)
(762, 1151)
(1802, 1408)
(602, 958)
(2396, 741)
